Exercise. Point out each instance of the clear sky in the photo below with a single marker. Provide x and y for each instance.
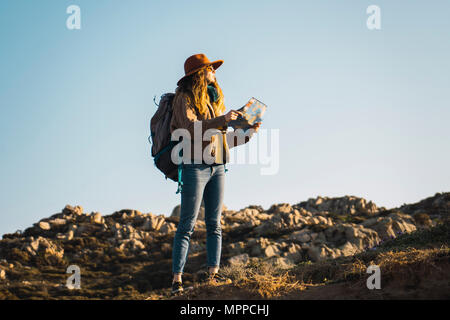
(359, 112)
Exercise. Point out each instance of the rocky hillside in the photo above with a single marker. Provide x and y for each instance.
(127, 255)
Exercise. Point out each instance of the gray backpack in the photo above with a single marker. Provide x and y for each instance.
(160, 140)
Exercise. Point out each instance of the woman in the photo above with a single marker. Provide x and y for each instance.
(199, 100)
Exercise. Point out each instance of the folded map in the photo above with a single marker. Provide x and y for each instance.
(252, 112)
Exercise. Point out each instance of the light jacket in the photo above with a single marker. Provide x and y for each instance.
(186, 115)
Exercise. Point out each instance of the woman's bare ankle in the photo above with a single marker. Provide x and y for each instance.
(213, 269)
(176, 277)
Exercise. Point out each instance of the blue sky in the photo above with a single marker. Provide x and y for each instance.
(359, 112)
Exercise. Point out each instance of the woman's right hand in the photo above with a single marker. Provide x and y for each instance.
(233, 115)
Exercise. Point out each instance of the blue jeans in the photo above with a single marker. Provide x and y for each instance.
(207, 182)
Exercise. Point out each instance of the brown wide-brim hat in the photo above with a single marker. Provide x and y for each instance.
(197, 62)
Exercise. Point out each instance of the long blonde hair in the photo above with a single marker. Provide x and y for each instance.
(194, 88)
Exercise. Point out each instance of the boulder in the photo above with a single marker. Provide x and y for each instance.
(236, 248)
(382, 225)
(167, 228)
(293, 253)
(45, 246)
(57, 222)
(320, 252)
(280, 262)
(69, 235)
(44, 225)
(257, 246)
(97, 218)
(301, 236)
(241, 259)
(347, 205)
(280, 208)
(271, 251)
(153, 223)
(68, 210)
(132, 245)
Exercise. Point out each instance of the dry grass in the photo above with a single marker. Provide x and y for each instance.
(263, 278)
(399, 264)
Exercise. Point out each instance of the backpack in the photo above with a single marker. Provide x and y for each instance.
(161, 143)
(160, 140)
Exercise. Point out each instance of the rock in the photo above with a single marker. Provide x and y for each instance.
(437, 206)
(125, 214)
(403, 226)
(342, 205)
(50, 248)
(320, 238)
(321, 252)
(294, 253)
(257, 246)
(271, 251)
(44, 225)
(156, 223)
(402, 223)
(280, 262)
(168, 228)
(35, 245)
(70, 235)
(280, 208)
(302, 236)
(137, 245)
(117, 226)
(97, 218)
(359, 236)
(242, 259)
(57, 222)
(271, 227)
(390, 226)
(313, 220)
(85, 230)
(45, 246)
(335, 235)
(236, 248)
(131, 244)
(382, 225)
(129, 232)
(60, 236)
(78, 210)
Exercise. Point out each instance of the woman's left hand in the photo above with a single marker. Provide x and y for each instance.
(256, 126)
